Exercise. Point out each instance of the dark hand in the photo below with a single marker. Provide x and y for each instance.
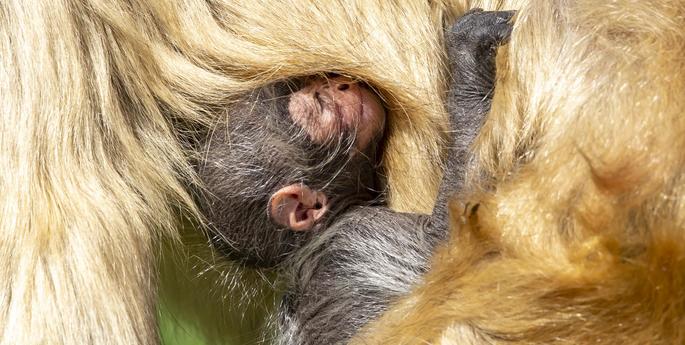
(472, 43)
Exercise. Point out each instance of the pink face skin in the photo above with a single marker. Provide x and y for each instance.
(326, 107)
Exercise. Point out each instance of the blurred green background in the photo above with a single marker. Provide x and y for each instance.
(205, 300)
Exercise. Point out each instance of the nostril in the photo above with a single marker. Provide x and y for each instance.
(318, 206)
(343, 87)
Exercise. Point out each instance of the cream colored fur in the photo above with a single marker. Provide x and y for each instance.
(97, 97)
(578, 236)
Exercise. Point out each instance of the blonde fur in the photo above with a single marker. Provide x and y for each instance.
(578, 236)
(98, 96)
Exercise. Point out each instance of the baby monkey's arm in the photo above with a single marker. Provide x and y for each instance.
(471, 44)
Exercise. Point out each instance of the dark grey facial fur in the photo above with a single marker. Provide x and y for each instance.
(256, 152)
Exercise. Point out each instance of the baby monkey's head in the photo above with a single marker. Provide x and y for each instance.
(286, 160)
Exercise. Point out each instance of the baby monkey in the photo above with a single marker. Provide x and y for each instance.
(291, 177)
(290, 157)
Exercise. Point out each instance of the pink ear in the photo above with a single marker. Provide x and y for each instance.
(297, 207)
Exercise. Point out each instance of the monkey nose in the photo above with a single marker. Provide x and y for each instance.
(343, 91)
(339, 86)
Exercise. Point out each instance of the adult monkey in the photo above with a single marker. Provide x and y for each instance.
(97, 96)
(577, 233)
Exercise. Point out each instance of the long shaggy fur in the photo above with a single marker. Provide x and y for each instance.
(98, 97)
(578, 236)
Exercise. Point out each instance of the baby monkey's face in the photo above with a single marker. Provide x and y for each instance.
(329, 110)
(286, 159)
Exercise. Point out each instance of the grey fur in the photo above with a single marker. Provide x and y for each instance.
(346, 272)
(347, 275)
(253, 154)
